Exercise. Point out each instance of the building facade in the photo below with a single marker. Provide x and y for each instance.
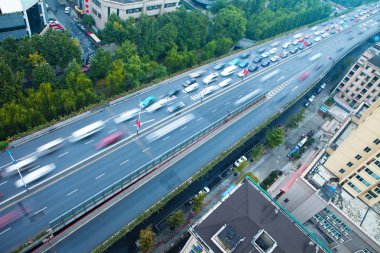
(362, 82)
(20, 18)
(355, 159)
(100, 10)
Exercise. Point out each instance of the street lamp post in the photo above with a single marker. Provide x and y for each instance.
(15, 162)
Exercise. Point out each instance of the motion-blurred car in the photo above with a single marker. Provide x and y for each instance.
(172, 93)
(253, 68)
(295, 42)
(257, 59)
(245, 55)
(286, 45)
(274, 58)
(225, 82)
(219, 66)
(148, 101)
(304, 75)
(176, 107)
(261, 50)
(109, 140)
(300, 47)
(265, 64)
(191, 87)
(294, 50)
(284, 54)
(273, 50)
(265, 55)
(301, 39)
(243, 64)
(189, 82)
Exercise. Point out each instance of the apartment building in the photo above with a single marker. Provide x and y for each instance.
(355, 155)
(100, 10)
(362, 82)
(20, 18)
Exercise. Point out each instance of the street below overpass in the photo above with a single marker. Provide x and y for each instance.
(57, 198)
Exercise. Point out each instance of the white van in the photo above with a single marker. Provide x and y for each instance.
(210, 78)
(67, 10)
(228, 71)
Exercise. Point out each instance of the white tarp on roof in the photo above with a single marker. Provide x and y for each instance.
(11, 6)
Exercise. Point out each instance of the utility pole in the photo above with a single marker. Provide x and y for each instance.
(15, 162)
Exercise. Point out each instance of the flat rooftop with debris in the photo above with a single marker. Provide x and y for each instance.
(249, 220)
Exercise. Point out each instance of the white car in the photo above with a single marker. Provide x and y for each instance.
(325, 35)
(265, 54)
(241, 73)
(286, 45)
(274, 58)
(224, 83)
(204, 191)
(273, 50)
(240, 161)
(209, 90)
(322, 31)
(67, 10)
(191, 87)
(295, 42)
(314, 28)
(317, 33)
(317, 39)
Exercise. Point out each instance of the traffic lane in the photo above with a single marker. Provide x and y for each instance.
(66, 18)
(138, 201)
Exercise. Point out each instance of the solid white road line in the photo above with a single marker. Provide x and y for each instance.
(146, 149)
(113, 130)
(164, 139)
(240, 96)
(89, 141)
(5, 231)
(100, 176)
(35, 168)
(213, 111)
(183, 128)
(63, 154)
(295, 88)
(40, 210)
(199, 119)
(3, 182)
(142, 123)
(124, 162)
(227, 103)
(71, 192)
(280, 78)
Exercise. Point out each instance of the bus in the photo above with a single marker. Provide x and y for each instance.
(95, 39)
(35, 175)
(228, 71)
(87, 131)
(49, 147)
(21, 166)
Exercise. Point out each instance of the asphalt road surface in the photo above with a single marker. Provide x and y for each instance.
(57, 198)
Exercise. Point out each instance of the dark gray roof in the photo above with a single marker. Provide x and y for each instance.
(17, 34)
(11, 20)
(247, 211)
(375, 61)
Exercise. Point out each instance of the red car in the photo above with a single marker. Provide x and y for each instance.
(109, 140)
(301, 39)
(56, 26)
(304, 75)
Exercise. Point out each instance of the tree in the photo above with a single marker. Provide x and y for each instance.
(114, 81)
(147, 239)
(43, 73)
(275, 137)
(208, 51)
(198, 202)
(10, 83)
(223, 45)
(3, 146)
(88, 20)
(296, 119)
(257, 151)
(176, 219)
(100, 64)
(229, 23)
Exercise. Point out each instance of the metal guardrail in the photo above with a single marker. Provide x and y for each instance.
(102, 196)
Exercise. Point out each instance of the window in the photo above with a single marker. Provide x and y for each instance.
(168, 5)
(377, 190)
(371, 173)
(135, 10)
(358, 157)
(376, 141)
(342, 171)
(367, 149)
(97, 3)
(368, 196)
(349, 164)
(287, 200)
(362, 180)
(354, 187)
(153, 7)
(377, 163)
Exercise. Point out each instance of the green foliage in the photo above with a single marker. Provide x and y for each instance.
(3, 145)
(43, 73)
(100, 64)
(352, 3)
(176, 219)
(329, 102)
(296, 119)
(269, 180)
(147, 239)
(10, 83)
(88, 20)
(248, 174)
(241, 167)
(257, 152)
(229, 23)
(275, 137)
(198, 202)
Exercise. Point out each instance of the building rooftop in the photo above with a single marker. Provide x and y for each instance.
(249, 220)
(375, 61)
